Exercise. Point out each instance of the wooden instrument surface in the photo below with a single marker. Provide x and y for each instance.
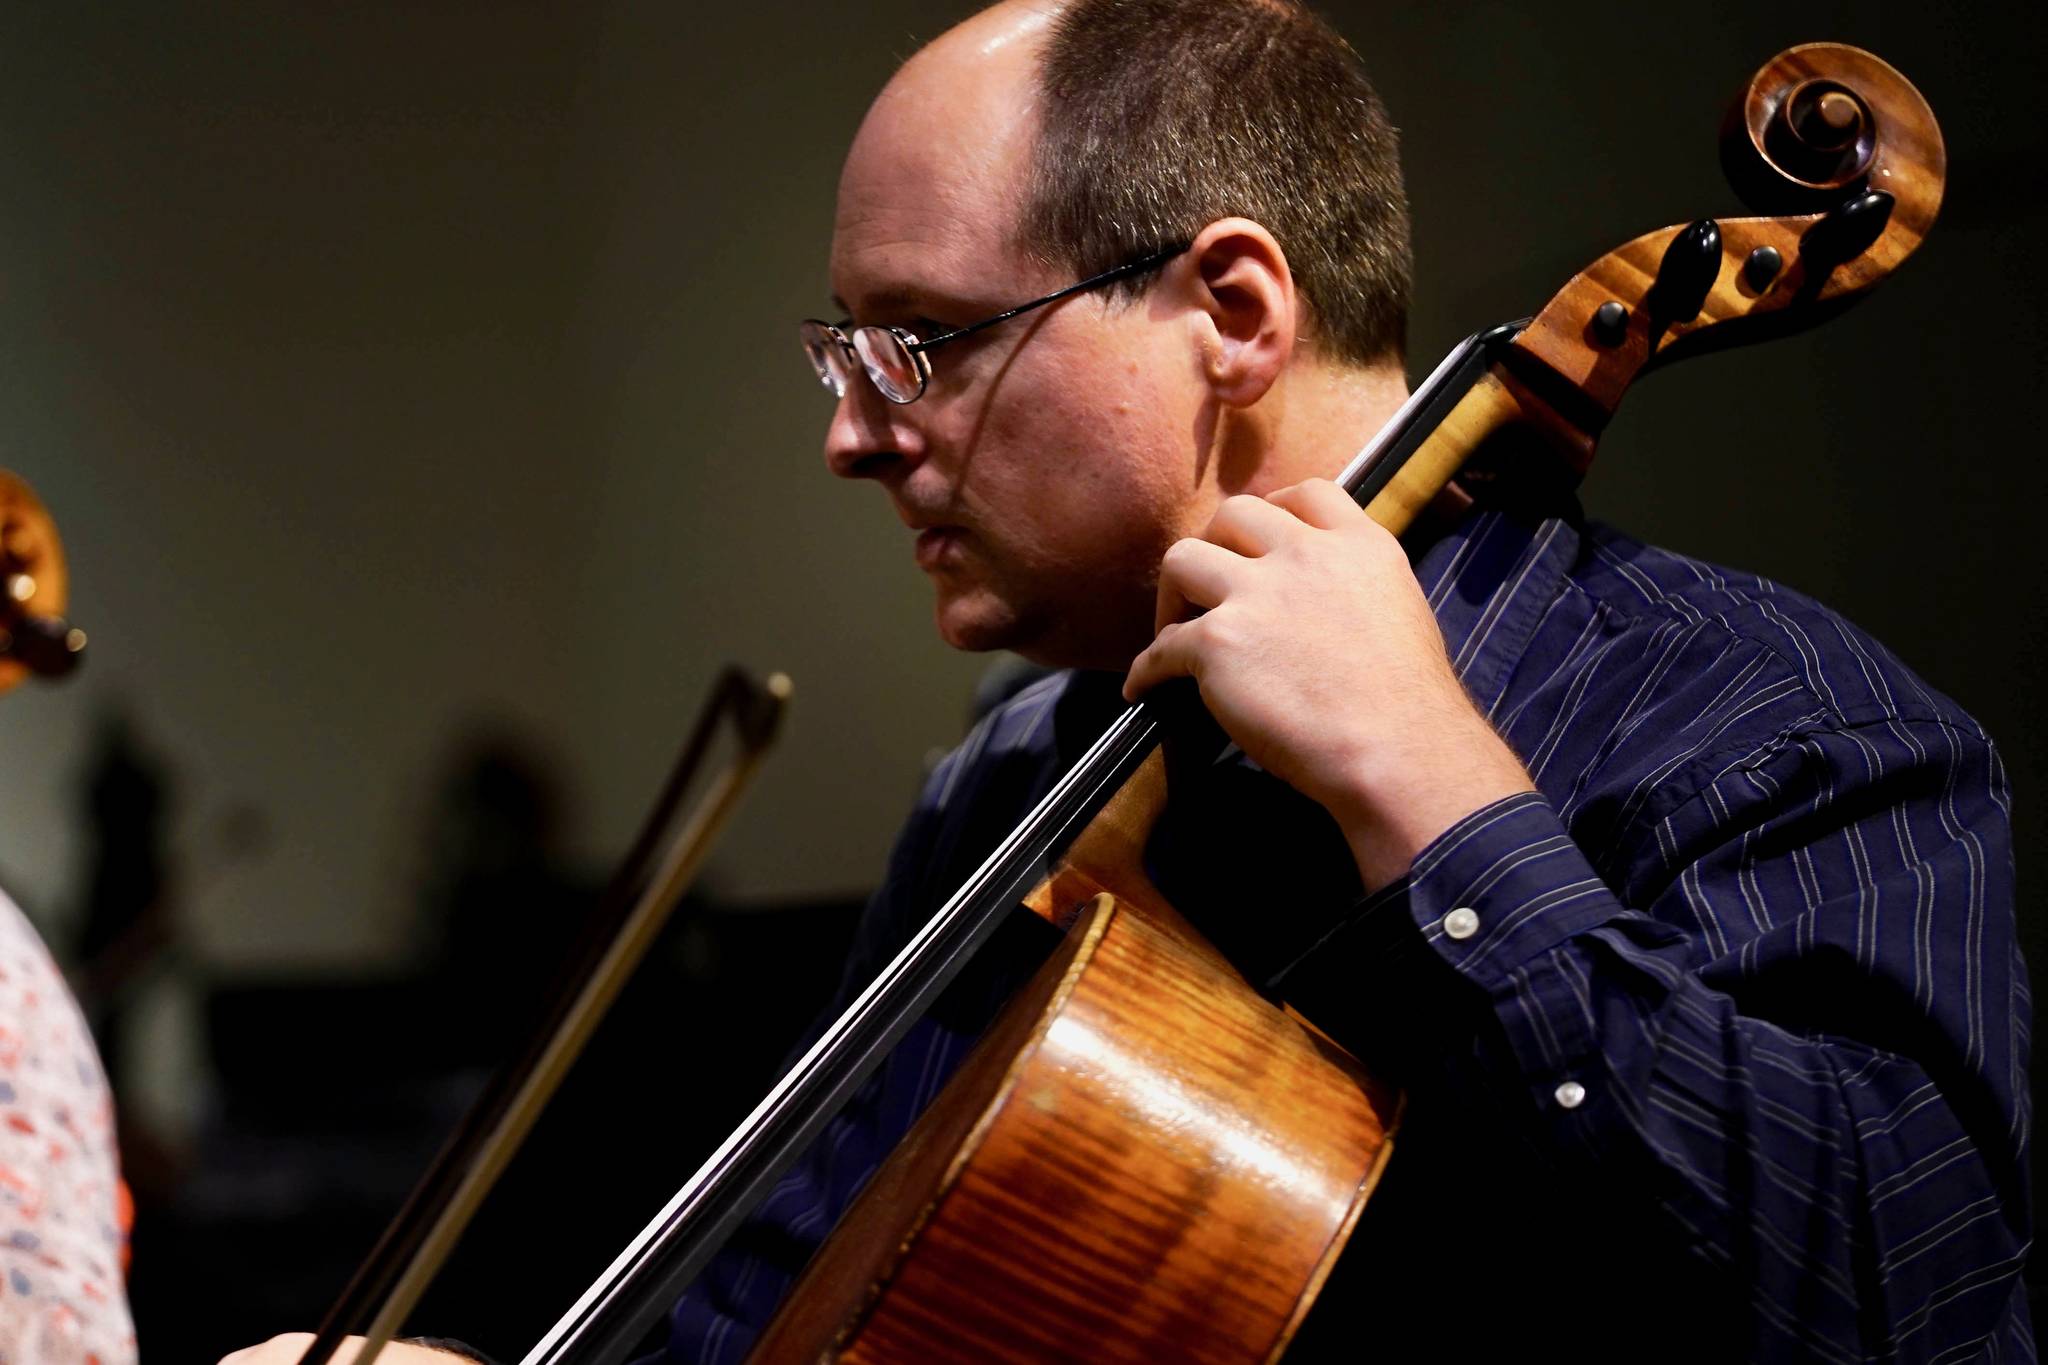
(1143, 1160)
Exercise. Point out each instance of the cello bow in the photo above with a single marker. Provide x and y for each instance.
(671, 848)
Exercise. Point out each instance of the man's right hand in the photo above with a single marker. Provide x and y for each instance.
(287, 1349)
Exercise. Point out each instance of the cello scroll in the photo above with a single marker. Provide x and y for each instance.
(1826, 136)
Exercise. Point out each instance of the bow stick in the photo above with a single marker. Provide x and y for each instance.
(662, 863)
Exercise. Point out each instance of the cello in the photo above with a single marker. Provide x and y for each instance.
(1845, 158)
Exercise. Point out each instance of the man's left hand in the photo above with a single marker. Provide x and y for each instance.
(1318, 654)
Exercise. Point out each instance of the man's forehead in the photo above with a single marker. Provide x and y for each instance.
(923, 223)
(933, 181)
(877, 286)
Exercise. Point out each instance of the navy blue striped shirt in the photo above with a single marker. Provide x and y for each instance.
(1727, 1059)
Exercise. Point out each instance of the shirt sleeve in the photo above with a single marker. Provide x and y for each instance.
(1799, 1036)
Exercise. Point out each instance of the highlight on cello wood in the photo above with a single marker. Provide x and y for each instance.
(1827, 136)
(1143, 1160)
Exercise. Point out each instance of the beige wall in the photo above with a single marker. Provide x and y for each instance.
(388, 371)
(387, 367)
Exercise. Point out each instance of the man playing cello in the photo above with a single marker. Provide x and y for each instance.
(1679, 906)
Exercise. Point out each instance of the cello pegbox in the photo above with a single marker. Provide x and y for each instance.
(1831, 141)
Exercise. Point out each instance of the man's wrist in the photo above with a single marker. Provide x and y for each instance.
(1390, 815)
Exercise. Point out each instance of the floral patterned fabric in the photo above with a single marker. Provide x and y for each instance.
(63, 1209)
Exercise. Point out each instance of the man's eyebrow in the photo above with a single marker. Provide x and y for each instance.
(894, 298)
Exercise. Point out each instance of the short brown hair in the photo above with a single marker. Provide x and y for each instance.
(1158, 117)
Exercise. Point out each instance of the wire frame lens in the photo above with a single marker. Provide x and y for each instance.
(826, 355)
(897, 371)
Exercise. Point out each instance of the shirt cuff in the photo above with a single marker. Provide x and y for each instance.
(1503, 886)
(1489, 902)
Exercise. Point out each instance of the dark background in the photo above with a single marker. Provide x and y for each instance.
(415, 386)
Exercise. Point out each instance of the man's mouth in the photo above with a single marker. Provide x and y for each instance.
(938, 545)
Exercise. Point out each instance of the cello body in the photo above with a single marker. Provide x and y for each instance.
(1143, 1159)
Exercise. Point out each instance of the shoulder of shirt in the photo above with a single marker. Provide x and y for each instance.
(1848, 676)
(1015, 736)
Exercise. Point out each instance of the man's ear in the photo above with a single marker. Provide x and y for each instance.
(1245, 310)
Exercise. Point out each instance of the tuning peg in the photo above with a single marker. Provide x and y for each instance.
(1687, 273)
(1848, 230)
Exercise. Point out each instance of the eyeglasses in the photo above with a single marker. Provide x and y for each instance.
(896, 361)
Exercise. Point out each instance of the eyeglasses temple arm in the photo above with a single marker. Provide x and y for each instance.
(1143, 263)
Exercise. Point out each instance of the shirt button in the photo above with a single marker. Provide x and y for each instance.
(1570, 1095)
(1461, 923)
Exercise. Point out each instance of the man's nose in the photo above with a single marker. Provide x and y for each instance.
(868, 436)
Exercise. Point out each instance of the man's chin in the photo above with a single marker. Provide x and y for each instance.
(976, 623)
(981, 623)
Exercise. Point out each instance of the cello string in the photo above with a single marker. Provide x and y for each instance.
(1358, 476)
(672, 842)
(880, 1013)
